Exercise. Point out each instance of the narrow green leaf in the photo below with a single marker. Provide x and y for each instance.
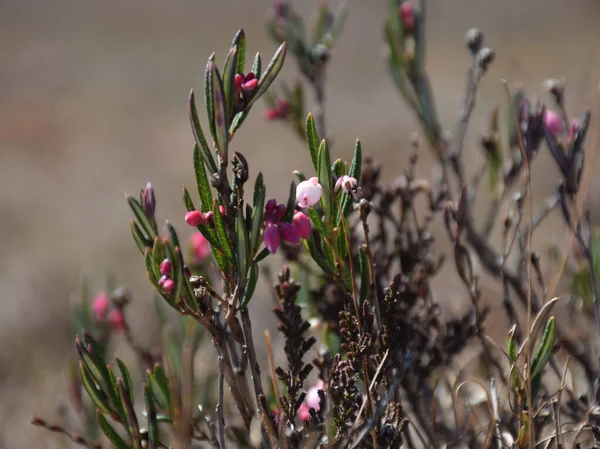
(143, 222)
(208, 97)
(199, 134)
(220, 118)
(239, 41)
(126, 378)
(251, 286)
(257, 65)
(342, 244)
(338, 168)
(222, 233)
(158, 255)
(271, 72)
(172, 234)
(300, 175)
(318, 257)
(132, 422)
(364, 273)
(317, 222)
(262, 255)
(159, 386)
(257, 216)
(112, 435)
(151, 267)
(151, 418)
(291, 203)
(324, 174)
(204, 191)
(337, 26)
(312, 138)
(258, 185)
(98, 397)
(140, 239)
(545, 349)
(229, 72)
(243, 247)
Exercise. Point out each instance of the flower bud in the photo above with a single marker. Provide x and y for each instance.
(485, 57)
(302, 223)
(474, 39)
(116, 319)
(165, 266)
(200, 247)
(308, 193)
(100, 305)
(168, 285)
(303, 412)
(281, 8)
(222, 210)
(194, 218)
(272, 238)
(148, 202)
(347, 183)
(407, 15)
(553, 122)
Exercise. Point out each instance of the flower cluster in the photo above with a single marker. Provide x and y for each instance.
(276, 229)
(106, 312)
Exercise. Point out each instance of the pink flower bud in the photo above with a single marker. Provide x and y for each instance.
(303, 412)
(238, 80)
(194, 218)
(200, 247)
(283, 107)
(116, 319)
(290, 233)
(168, 285)
(222, 210)
(272, 238)
(165, 266)
(308, 193)
(348, 183)
(271, 114)
(553, 122)
(162, 280)
(407, 14)
(573, 128)
(100, 305)
(312, 397)
(302, 223)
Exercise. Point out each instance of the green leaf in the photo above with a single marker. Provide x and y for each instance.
(342, 243)
(338, 168)
(258, 185)
(251, 286)
(354, 172)
(312, 138)
(132, 422)
(140, 239)
(271, 72)
(98, 397)
(317, 222)
(199, 134)
(364, 273)
(172, 234)
(111, 433)
(239, 41)
(257, 65)
(220, 118)
(222, 233)
(300, 175)
(229, 72)
(257, 215)
(158, 255)
(208, 97)
(291, 203)
(141, 218)
(206, 198)
(317, 257)
(126, 378)
(151, 267)
(187, 200)
(151, 418)
(319, 27)
(262, 255)
(337, 26)
(545, 349)
(160, 386)
(324, 174)
(243, 247)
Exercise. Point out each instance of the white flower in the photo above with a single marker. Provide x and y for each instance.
(308, 193)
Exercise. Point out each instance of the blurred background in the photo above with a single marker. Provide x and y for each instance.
(93, 104)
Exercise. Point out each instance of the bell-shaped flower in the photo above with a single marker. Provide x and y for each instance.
(308, 193)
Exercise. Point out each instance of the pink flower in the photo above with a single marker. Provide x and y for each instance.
(276, 229)
(200, 247)
(245, 84)
(312, 397)
(348, 183)
(100, 305)
(553, 122)
(116, 319)
(303, 412)
(302, 223)
(168, 285)
(407, 14)
(165, 266)
(195, 218)
(308, 193)
(281, 110)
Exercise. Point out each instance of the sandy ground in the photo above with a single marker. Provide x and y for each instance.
(93, 104)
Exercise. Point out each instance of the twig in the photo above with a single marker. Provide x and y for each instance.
(220, 404)
(75, 438)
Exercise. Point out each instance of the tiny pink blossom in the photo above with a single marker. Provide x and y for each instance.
(272, 238)
(162, 280)
(116, 319)
(553, 122)
(194, 218)
(290, 233)
(302, 223)
(308, 193)
(222, 210)
(168, 285)
(303, 412)
(407, 14)
(100, 305)
(165, 266)
(312, 397)
(347, 183)
(200, 247)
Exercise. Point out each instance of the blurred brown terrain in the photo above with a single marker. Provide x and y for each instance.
(93, 104)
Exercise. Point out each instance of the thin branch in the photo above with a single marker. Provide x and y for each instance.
(75, 438)
(220, 404)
